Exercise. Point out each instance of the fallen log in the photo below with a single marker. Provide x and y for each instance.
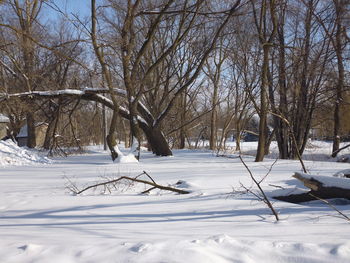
(321, 187)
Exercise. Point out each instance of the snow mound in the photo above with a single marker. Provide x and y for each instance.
(12, 154)
(125, 158)
(130, 158)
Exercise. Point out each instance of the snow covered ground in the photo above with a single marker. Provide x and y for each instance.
(40, 221)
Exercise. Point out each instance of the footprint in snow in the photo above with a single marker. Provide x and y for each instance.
(140, 248)
(30, 248)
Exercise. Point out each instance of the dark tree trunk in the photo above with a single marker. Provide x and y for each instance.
(157, 141)
(31, 141)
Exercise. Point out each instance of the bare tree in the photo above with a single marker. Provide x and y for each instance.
(267, 16)
(140, 34)
(26, 14)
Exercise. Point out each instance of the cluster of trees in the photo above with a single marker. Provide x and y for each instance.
(170, 70)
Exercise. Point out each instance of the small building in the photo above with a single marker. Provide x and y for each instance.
(40, 132)
(4, 121)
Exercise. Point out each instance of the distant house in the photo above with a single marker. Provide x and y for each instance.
(3, 125)
(40, 132)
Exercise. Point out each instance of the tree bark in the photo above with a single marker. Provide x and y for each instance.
(31, 138)
(263, 107)
(157, 141)
(111, 138)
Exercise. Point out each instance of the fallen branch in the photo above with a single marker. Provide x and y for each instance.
(136, 179)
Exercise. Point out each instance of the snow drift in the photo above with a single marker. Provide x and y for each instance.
(12, 154)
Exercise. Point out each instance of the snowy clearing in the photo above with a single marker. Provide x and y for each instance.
(42, 222)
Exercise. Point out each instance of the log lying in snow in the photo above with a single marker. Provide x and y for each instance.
(320, 187)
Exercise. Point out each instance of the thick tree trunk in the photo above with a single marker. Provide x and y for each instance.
(31, 139)
(157, 141)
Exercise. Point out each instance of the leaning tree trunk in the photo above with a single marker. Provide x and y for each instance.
(157, 141)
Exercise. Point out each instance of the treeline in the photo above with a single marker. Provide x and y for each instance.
(172, 72)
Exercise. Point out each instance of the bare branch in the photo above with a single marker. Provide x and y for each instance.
(264, 198)
(132, 179)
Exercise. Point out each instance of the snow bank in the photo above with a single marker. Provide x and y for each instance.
(12, 154)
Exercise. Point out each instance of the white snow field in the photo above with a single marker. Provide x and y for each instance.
(41, 221)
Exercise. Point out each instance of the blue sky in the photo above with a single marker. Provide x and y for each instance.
(79, 7)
